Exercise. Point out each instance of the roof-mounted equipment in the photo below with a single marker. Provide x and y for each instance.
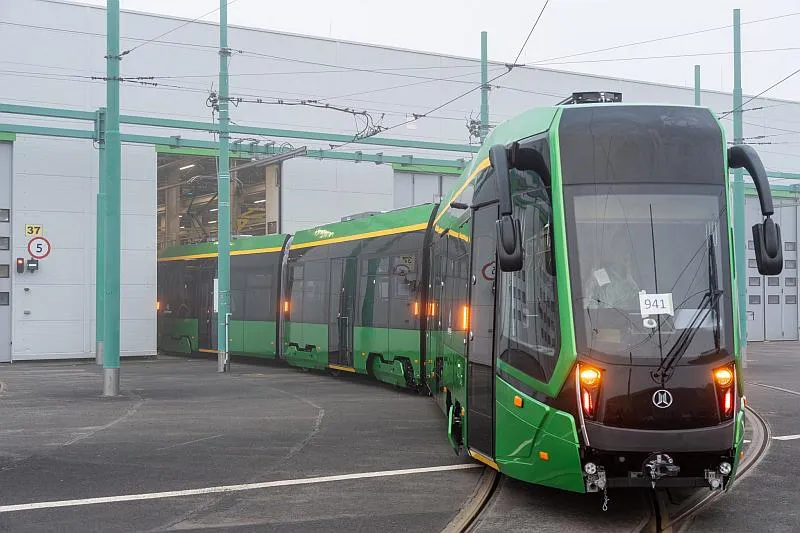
(594, 97)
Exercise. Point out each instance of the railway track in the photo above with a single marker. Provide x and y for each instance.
(672, 517)
(669, 513)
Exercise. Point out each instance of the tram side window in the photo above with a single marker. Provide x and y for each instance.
(529, 335)
(373, 298)
(294, 290)
(404, 304)
(315, 290)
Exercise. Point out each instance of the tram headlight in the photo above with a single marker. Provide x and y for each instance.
(723, 376)
(724, 381)
(590, 377)
(725, 468)
(588, 389)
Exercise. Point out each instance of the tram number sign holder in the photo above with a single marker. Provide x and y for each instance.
(39, 247)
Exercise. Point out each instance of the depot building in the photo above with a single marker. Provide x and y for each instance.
(305, 111)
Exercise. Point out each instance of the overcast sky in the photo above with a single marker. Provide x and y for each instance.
(567, 27)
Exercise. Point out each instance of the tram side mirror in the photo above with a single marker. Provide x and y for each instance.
(767, 239)
(766, 235)
(509, 234)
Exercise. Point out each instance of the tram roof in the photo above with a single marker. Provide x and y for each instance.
(239, 246)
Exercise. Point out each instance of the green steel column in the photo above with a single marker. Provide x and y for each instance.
(100, 260)
(484, 131)
(113, 202)
(738, 186)
(223, 197)
(697, 85)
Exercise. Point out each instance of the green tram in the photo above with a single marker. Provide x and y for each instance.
(571, 305)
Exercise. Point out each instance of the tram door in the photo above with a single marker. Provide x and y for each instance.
(480, 378)
(342, 306)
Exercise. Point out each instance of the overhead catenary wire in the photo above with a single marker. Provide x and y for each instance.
(782, 80)
(155, 39)
(416, 117)
(664, 38)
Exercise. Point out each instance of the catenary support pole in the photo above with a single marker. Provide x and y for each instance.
(697, 85)
(223, 197)
(484, 131)
(113, 200)
(100, 259)
(738, 186)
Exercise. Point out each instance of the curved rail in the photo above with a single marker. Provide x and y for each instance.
(760, 441)
(476, 503)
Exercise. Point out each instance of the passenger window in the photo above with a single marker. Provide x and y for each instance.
(529, 335)
(373, 301)
(404, 301)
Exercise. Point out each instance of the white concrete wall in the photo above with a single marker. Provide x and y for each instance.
(55, 185)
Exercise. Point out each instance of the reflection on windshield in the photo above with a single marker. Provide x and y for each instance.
(640, 269)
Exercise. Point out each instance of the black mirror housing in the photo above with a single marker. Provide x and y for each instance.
(769, 256)
(509, 249)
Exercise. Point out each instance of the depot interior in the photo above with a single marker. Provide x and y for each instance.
(187, 198)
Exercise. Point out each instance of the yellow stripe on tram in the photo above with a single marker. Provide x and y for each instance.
(206, 350)
(482, 165)
(483, 459)
(214, 254)
(368, 235)
(342, 368)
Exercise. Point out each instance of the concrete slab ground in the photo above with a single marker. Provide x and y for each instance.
(180, 425)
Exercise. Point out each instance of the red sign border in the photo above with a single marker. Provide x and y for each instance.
(49, 247)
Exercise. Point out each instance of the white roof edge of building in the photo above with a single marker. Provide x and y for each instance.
(421, 52)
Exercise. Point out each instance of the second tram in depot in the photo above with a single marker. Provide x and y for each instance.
(571, 306)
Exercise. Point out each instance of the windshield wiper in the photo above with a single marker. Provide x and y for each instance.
(709, 303)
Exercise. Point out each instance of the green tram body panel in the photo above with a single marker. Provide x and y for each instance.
(398, 296)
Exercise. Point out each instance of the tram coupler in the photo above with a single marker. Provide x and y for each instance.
(660, 465)
(715, 480)
(595, 477)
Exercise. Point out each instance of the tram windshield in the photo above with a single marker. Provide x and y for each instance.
(649, 272)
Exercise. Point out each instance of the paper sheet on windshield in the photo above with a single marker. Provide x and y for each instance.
(655, 304)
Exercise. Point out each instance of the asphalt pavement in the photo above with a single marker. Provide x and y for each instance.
(180, 426)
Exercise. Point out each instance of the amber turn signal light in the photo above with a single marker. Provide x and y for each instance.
(590, 377)
(723, 377)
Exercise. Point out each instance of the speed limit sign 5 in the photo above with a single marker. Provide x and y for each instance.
(39, 247)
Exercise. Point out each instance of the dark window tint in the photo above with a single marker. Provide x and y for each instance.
(790, 264)
(5, 271)
(528, 313)
(790, 282)
(754, 281)
(752, 263)
(754, 299)
(294, 292)
(791, 299)
(5, 243)
(5, 215)
(315, 291)
(254, 286)
(791, 246)
(774, 299)
(3, 298)
(403, 285)
(774, 282)
(373, 293)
